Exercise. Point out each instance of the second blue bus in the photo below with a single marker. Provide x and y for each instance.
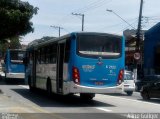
(14, 66)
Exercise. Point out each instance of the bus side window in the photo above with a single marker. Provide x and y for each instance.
(67, 50)
(50, 56)
(43, 55)
(48, 53)
(37, 57)
(53, 53)
(30, 58)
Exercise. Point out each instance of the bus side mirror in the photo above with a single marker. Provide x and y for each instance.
(25, 61)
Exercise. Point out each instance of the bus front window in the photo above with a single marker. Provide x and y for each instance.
(17, 56)
(95, 46)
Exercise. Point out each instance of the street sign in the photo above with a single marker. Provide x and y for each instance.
(137, 56)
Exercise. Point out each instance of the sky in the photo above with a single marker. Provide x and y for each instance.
(96, 19)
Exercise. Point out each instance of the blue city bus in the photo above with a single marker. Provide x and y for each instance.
(14, 67)
(80, 62)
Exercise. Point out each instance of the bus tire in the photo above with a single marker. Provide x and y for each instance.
(31, 88)
(49, 87)
(7, 80)
(145, 95)
(129, 93)
(87, 96)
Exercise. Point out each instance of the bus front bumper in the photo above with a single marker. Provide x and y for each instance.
(15, 75)
(83, 89)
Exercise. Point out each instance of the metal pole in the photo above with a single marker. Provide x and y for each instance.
(82, 22)
(139, 27)
(59, 29)
(82, 19)
(138, 35)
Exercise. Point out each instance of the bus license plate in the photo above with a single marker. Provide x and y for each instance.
(98, 83)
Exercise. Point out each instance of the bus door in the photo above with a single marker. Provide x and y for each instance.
(34, 69)
(60, 62)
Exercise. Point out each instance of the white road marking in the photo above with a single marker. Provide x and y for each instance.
(24, 86)
(103, 109)
(134, 100)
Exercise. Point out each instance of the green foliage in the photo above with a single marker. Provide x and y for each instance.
(3, 48)
(14, 44)
(15, 18)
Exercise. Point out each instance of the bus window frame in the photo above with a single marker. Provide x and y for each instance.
(96, 56)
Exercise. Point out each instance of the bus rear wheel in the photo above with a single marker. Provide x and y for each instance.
(87, 96)
(129, 93)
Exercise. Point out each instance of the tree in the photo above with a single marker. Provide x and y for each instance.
(15, 18)
(13, 43)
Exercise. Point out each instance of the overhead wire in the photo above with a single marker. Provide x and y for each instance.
(127, 26)
(81, 9)
(149, 21)
(90, 6)
(93, 5)
(119, 24)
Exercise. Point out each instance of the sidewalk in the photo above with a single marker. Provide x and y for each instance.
(9, 104)
(2, 74)
(11, 109)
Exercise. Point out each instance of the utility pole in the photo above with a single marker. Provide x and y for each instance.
(82, 15)
(59, 29)
(138, 50)
(138, 34)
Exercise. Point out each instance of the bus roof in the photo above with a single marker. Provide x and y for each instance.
(41, 42)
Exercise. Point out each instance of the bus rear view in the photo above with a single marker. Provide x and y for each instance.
(98, 63)
(14, 67)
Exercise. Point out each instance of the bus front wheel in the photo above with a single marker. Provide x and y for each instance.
(87, 96)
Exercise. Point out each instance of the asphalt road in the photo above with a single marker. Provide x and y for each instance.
(17, 99)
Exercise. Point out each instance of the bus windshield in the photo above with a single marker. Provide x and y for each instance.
(17, 56)
(101, 45)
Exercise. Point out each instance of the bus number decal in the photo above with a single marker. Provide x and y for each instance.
(88, 68)
(110, 67)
